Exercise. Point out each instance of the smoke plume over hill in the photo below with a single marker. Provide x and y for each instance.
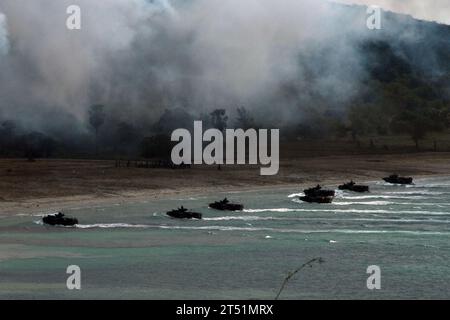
(141, 57)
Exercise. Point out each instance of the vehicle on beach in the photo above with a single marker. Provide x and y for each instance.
(352, 186)
(183, 213)
(225, 205)
(395, 179)
(59, 219)
(317, 199)
(318, 195)
(318, 191)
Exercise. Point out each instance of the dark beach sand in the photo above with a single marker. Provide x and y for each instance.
(45, 185)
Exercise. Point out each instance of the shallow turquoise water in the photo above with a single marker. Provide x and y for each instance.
(135, 251)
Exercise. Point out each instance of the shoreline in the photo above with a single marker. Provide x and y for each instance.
(52, 205)
(167, 184)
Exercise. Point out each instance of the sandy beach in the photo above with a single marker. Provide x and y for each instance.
(49, 185)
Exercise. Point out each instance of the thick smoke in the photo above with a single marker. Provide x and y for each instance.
(4, 42)
(139, 57)
(433, 10)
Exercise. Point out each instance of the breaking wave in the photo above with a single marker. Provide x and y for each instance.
(112, 226)
(385, 203)
(365, 203)
(381, 196)
(424, 192)
(102, 225)
(242, 218)
(296, 195)
(347, 211)
(346, 231)
(259, 218)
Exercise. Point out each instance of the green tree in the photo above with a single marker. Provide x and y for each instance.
(244, 119)
(219, 119)
(96, 120)
(417, 123)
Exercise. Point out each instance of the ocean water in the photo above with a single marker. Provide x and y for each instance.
(137, 252)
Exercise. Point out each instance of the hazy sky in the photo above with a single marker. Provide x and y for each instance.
(435, 10)
(140, 57)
